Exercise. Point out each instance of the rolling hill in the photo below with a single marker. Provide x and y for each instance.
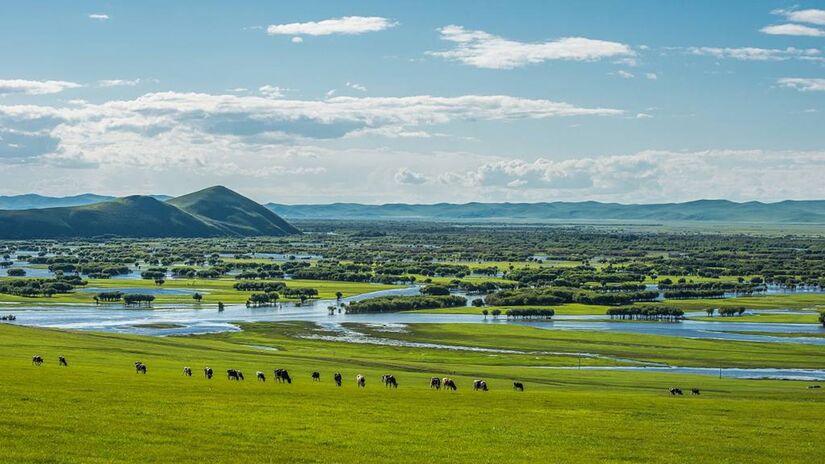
(785, 212)
(213, 212)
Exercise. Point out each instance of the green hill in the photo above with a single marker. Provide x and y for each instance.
(142, 216)
(232, 213)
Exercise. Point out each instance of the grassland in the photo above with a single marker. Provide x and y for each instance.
(213, 290)
(99, 410)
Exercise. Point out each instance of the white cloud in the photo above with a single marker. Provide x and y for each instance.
(297, 40)
(272, 91)
(331, 92)
(118, 82)
(811, 16)
(625, 74)
(793, 29)
(650, 176)
(347, 25)
(99, 16)
(356, 86)
(651, 76)
(408, 177)
(757, 54)
(643, 116)
(27, 87)
(803, 84)
(485, 50)
(159, 130)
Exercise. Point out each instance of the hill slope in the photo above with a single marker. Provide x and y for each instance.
(141, 216)
(808, 212)
(232, 213)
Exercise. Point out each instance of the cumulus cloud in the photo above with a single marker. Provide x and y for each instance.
(811, 16)
(485, 50)
(651, 76)
(297, 40)
(409, 177)
(650, 176)
(803, 84)
(793, 29)
(625, 74)
(757, 54)
(272, 91)
(356, 86)
(348, 25)
(169, 128)
(27, 87)
(118, 82)
(99, 16)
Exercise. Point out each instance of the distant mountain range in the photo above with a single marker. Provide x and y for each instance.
(807, 212)
(212, 212)
(32, 200)
(225, 212)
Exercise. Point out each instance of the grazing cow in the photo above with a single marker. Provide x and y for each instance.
(187, 371)
(281, 375)
(260, 376)
(479, 385)
(37, 360)
(338, 378)
(676, 391)
(814, 386)
(518, 386)
(61, 361)
(694, 391)
(207, 372)
(449, 384)
(389, 381)
(234, 374)
(435, 383)
(140, 368)
(360, 380)
(316, 376)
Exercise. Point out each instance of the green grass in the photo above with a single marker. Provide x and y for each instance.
(213, 290)
(787, 301)
(99, 410)
(787, 318)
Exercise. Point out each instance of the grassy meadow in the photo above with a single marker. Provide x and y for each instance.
(99, 410)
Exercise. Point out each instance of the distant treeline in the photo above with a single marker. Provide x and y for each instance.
(389, 304)
(40, 287)
(647, 313)
(552, 296)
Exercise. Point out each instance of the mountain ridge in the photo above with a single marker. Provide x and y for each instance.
(201, 215)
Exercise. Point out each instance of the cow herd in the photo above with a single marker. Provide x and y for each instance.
(674, 391)
(282, 376)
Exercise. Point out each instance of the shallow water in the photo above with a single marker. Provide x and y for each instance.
(738, 373)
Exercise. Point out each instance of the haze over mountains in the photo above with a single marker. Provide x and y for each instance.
(223, 211)
(212, 212)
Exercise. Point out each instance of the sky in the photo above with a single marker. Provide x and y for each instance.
(415, 101)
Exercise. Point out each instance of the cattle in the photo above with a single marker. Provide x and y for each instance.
(449, 384)
(338, 378)
(694, 391)
(61, 361)
(479, 385)
(360, 380)
(140, 368)
(435, 383)
(316, 376)
(187, 371)
(281, 375)
(814, 386)
(675, 391)
(234, 374)
(207, 372)
(389, 381)
(37, 360)
(260, 376)
(518, 386)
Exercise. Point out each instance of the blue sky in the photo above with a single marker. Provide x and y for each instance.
(315, 102)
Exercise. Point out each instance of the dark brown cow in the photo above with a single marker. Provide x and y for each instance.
(316, 376)
(518, 386)
(61, 361)
(338, 378)
(37, 360)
